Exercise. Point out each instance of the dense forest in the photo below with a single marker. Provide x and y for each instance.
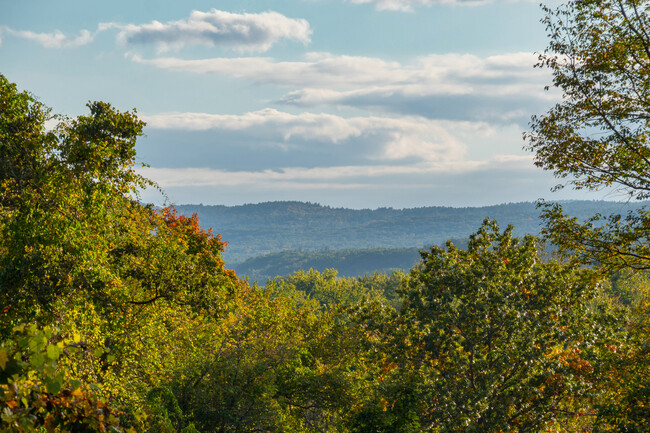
(350, 263)
(119, 316)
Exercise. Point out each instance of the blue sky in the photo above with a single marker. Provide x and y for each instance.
(355, 103)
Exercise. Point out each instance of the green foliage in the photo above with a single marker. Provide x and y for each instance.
(388, 285)
(135, 284)
(272, 364)
(489, 338)
(38, 395)
(611, 242)
(326, 288)
(599, 57)
(597, 137)
(624, 362)
(164, 413)
(56, 199)
(629, 288)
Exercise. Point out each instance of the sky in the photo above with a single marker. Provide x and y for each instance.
(346, 103)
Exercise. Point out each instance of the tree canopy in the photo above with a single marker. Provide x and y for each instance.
(599, 53)
(491, 338)
(597, 137)
(79, 251)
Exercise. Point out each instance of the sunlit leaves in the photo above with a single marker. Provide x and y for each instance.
(599, 53)
(136, 286)
(37, 395)
(491, 338)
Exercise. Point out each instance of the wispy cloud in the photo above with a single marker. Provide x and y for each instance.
(352, 176)
(318, 69)
(410, 5)
(55, 39)
(248, 31)
(453, 86)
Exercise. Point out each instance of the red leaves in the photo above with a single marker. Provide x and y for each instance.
(189, 226)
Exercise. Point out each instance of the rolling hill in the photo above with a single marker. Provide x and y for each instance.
(255, 230)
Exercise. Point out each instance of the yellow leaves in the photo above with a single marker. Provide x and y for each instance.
(3, 359)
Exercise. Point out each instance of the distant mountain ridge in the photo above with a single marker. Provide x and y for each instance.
(348, 262)
(253, 230)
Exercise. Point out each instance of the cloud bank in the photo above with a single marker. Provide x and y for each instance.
(341, 177)
(499, 88)
(446, 73)
(379, 138)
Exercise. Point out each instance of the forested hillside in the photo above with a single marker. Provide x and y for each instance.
(349, 263)
(258, 229)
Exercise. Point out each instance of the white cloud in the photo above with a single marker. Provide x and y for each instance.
(55, 39)
(318, 153)
(251, 32)
(434, 141)
(245, 32)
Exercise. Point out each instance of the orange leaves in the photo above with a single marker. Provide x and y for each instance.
(386, 368)
(573, 359)
(189, 228)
